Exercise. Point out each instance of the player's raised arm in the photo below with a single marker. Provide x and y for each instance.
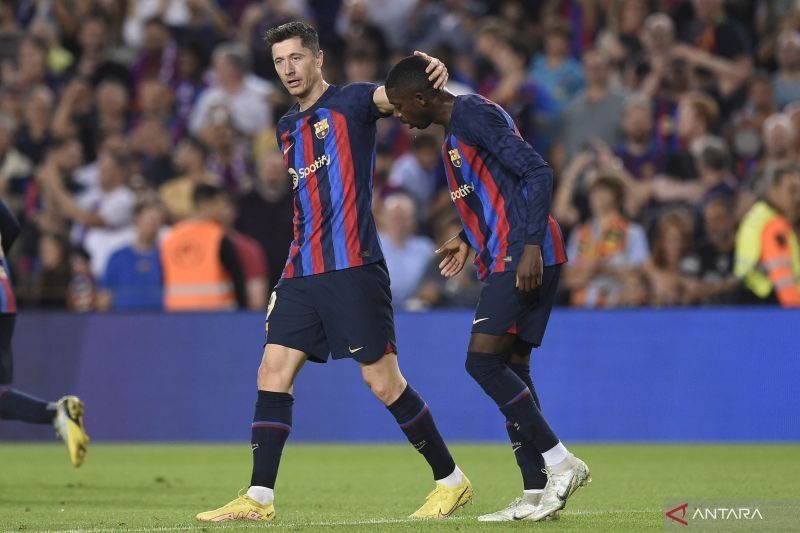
(437, 73)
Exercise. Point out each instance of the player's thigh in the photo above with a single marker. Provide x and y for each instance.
(499, 306)
(532, 321)
(279, 367)
(357, 313)
(293, 319)
(7, 321)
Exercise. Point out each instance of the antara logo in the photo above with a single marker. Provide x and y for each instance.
(322, 161)
(462, 191)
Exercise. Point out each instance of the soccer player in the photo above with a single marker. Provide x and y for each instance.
(334, 294)
(501, 189)
(67, 413)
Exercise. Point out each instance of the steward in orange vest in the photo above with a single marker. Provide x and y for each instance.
(201, 269)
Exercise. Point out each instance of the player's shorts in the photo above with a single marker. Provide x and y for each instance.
(7, 321)
(345, 313)
(502, 308)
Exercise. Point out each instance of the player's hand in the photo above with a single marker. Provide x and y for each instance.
(437, 72)
(530, 269)
(455, 253)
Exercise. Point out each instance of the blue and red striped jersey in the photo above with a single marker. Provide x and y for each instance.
(329, 150)
(501, 187)
(9, 230)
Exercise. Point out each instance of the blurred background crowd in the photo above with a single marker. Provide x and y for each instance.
(672, 127)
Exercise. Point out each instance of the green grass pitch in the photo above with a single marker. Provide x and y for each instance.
(149, 488)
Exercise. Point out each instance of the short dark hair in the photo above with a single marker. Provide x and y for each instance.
(409, 75)
(204, 193)
(308, 35)
(776, 172)
(147, 203)
(611, 182)
(715, 158)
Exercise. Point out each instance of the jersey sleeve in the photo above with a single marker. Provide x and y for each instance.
(359, 98)
(486, 125)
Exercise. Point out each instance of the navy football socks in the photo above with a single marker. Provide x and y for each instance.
(416, 421)
(272, 424)
(15, 405)
(513, 397)
(529, 460)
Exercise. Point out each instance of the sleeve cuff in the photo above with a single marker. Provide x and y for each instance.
(535, 240)
(463, 236)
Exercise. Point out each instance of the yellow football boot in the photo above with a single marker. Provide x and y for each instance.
(242, 508)
(443, 501)
(69, 426)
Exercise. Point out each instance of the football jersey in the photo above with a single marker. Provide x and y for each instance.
(501, 187)
(329, 150)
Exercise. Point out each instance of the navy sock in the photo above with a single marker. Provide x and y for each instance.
(529, 460)
(513, 397)
(416, 421)
(272, 424)
(16, 405)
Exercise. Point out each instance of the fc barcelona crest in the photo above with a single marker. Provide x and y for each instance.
(321, 128)
(455, 157)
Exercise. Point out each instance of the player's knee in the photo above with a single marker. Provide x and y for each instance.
(483, 367)
(274, 373)
(385, 389)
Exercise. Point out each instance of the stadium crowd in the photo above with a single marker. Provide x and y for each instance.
(673, 128)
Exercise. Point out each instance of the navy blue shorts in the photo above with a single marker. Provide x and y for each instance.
(345, 313)
(504, 309)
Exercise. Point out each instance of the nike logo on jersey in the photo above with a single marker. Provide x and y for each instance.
(286, 150)
(479, 320)
(354, 350)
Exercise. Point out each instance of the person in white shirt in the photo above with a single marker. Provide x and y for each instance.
(406, 254)
(103, 216)
(245, 95)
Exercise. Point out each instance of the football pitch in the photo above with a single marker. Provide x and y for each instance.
(153, 488)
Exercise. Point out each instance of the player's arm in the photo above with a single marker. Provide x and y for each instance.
(9, 227)
(491, 130)
(437, 73)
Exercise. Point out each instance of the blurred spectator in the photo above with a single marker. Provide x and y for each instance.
(595, 112)
(671, 284)
(767, 250)
(697, 116)
(638, 152)
(711, 262)
(415, 172)
(33, 135)
(52, 276)
(14, 166)
(435, 291)
(103, 215)
(157, 54)
(747, 123)
(10, 31)
(406, 254)
(229, 152)
(133, 279)
(202, 271)
(155, 102)
(252, 259)
(189, 83)
(605, 249)
(244, 95)
(82, 288)
(532, 108)
(152, 147)
(266, 213)
(787, 80)
(94, 60)
(555, 70)
(177, 193)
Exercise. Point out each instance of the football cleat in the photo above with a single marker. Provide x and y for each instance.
(520, 507)
(242, 508)
(443, 501)
(69, 426)
(562, 481)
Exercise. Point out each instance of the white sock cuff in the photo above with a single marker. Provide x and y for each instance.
(555, 455)
(453, 480)
(262, 495)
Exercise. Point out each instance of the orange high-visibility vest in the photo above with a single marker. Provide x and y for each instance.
(194, 277)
